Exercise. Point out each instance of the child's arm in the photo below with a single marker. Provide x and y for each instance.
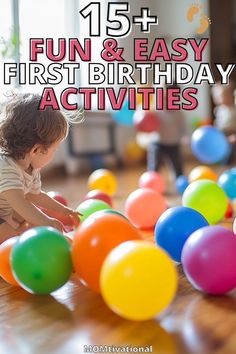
(43, 200)
(28, 211)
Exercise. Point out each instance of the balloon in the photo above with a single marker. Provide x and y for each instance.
(207, 198)
(209, 261)
(181, 183)
(124, 116)
(202, 172)
(41, 260)
(99, 213)
(227, 181)
(90, 206)
(229, 211)
(133, 152)
(209, 145)
(138, 280)
(58, 197)
(97, 194)
(104, 180)
(146, 121)
(144, 206)
(93, 240)
(5, 266)
(174, 227)
(153, 180)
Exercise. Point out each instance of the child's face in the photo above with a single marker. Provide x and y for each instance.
(41, 156)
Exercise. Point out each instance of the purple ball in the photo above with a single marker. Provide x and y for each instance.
(209, 260)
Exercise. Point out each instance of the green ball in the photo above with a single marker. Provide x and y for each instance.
(99, 213)
(41, 260)
(90, 206)
(207, 198)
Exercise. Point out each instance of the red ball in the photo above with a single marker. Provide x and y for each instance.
(153, 180)
(97, 194)
(58, 197)
(146, 121)
(229, 212)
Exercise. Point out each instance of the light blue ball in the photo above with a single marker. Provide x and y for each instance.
(209, 145)
(227, 181)
(124, 116)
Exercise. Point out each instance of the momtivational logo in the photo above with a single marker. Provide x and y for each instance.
(116, 349)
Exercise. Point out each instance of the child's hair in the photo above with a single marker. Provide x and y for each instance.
(23, 125)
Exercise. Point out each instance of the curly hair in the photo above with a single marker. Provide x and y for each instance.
(23, 125)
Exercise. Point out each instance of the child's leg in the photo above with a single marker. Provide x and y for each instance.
(174, 155)
(7, 231)
(154, 156)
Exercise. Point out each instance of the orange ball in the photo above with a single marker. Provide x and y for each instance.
(144, 206)
(92, 242)
(5, 265)
(202, 172)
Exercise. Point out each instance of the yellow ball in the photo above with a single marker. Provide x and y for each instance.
(202, 172)
(104, 180)
(138, 280)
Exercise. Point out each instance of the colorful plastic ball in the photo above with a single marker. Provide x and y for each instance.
(93, 240)
(234, 226)
(41, 260)
(153, 180)
(99, 213)
(207, 198)
(227, 181)
(104, 180)
(97, 194)
(5, 265)
(209, 145)
(230, 211)
(90, 206)
(174, 227)
(146, 121)
(133, 153)
(58, 197)
(202, 172)
(144, 206)
(124, 116)
(181, 183)
(209, 261)
(138, 280)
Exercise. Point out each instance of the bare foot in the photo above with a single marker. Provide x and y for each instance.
(192, 11)
(204, 24)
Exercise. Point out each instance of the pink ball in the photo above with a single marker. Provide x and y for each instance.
(209, 260)
(144, 206)
(97, 194)
(58, 197)
(153, 180)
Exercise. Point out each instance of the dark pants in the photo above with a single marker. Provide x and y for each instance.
(156, 154)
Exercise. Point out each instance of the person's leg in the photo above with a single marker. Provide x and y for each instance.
(154, 157)
(175, 158)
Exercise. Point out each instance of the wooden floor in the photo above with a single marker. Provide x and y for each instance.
(74, 317)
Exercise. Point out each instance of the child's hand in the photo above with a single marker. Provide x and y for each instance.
(56, 224)
(75, 216)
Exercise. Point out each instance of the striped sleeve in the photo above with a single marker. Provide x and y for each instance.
(10, 178)
(36, 185)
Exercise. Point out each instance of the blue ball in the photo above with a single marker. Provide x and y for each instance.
(124, 116)
(175, 226)
(181, 183)
(227, 181)
(209, 145)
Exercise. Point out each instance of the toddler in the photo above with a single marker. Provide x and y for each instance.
(28, 140)
(172, 129)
